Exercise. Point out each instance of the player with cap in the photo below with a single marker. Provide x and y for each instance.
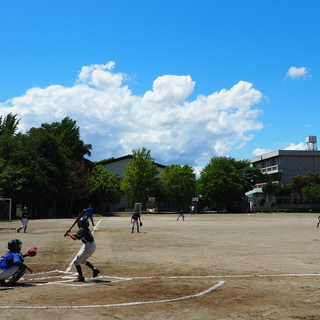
(84, 234)
(12, 264)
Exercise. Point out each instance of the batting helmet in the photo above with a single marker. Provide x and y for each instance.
(14, 244)
(83, 222)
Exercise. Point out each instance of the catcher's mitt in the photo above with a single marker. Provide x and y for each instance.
(32, 252)
(140, 224)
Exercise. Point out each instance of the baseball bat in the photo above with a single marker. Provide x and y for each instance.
(78, 218)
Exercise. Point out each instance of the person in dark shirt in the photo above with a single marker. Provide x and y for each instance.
(135, 220)
(89, 213)
(84, 234)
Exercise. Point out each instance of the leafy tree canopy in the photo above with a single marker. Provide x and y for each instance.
(224, 181)
(178, 183)
(106, 186)
(9, 125)
(68, 137)
(140, 176)
(36, 166)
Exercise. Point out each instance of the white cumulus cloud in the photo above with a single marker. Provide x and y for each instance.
(290, 146)
(296, 73)
(299, 146)
(258, 152)
(115, 121)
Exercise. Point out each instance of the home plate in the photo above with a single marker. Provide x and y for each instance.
(68, 277)
(96, 229)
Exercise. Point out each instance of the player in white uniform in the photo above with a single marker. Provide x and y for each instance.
(84, 234)
(24, 220)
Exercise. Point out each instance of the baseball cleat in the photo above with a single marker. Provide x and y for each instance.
(95, 272)
(79, 279)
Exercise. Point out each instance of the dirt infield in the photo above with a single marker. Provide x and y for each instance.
(210, 266)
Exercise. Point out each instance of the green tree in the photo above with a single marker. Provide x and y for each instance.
(49, 168)
(178, 183)
(79, 184)
(298, 182)
(14, 169)
(65, 170)
(9, 125)
(280, 192)
(262, 201)
(140, 176)
(224, 181)
(312, 192)
(250, 176)
(106, 187)
(38, 166)
(67, 134)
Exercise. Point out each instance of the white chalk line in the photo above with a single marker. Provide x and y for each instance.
(81, 249)
(120, 279)
(118, 304)
(117, 279)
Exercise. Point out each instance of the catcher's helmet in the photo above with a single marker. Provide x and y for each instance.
(14, 244)
(83, 222)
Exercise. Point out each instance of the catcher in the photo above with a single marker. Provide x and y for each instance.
(12, 265)
(84, 234)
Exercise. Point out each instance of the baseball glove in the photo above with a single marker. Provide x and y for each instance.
(140, 224)
(32, 252)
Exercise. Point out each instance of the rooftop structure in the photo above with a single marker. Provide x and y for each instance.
(281, 165)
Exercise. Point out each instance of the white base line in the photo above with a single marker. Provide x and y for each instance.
(27, 276)
(154, 277)
(117, 304)
(81, 249)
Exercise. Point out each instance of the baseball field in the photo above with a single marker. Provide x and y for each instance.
(210, 266)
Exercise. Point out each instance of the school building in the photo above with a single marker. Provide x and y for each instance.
(281, 165)
(117, 165)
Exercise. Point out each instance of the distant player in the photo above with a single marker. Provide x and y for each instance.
(11, 264)
(24, 220)
(135, 220)
(89, 213)
(318, 222)
(84, 234)
(180, 214)
(192, 210)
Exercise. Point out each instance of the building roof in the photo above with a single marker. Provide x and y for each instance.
(257, 190)
(129, 156)
(286, 153)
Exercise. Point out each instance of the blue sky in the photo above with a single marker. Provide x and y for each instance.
(188, 80)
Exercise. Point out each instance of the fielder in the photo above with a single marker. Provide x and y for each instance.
(84, 234)
(136, 220)
(24, 220)
(11, 264)
(89, 213)
(180, 214)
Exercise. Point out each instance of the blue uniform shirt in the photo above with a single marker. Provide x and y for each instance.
(9, 259)
(89, 212)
